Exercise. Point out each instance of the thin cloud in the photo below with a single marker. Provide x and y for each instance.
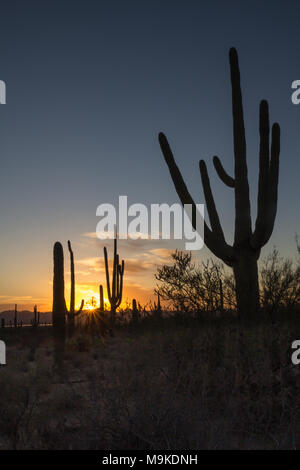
(162, 253)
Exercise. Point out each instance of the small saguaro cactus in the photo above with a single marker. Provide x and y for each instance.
(158, 303)
(101, 298)
(72, 314)
(16, 316)
(115, 292)
(157, 306)
(242, 256)
(135, 311)
(36, 317)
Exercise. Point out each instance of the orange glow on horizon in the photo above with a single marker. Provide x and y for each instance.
(88, 292)
(91, 300)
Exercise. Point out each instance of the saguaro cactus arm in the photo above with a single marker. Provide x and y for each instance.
(120, 283)
(115, 270)
(210, 203)
(273, 180)
(107, 274)
(218, 246)
(80, 309)
(268, 180)
(228, 180)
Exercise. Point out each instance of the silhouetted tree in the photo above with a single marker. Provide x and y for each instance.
(188, 287)
(280, 283)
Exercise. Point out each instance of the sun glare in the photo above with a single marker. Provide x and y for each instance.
(89, 307)
(92, 301)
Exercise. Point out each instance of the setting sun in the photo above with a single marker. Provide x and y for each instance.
(91, 300)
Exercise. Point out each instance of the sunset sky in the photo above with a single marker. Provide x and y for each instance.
(89, 86)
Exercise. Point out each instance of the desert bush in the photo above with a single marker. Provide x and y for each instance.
(187, 286)
(81, 341)
(280, 283)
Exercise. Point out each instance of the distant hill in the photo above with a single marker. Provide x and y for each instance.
(25, 316)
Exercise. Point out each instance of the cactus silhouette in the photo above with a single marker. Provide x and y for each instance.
(59, 310)
(36, 317)
(244, 253)
(16, 316)
(135, 312)
(114, 292)
(157, 306)
(101, 298)
(72, 314)
(59, 304)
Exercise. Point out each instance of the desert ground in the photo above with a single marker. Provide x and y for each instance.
(178, 382)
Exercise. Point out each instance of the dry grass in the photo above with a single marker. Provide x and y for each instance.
(162, 385)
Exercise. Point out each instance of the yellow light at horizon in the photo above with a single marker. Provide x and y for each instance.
(88, 296)
(89, 307)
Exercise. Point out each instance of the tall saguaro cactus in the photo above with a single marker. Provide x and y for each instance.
(59, 304)
(59, 311)
(72, 314)
(114, 292)
(101, 295)
(244, 253)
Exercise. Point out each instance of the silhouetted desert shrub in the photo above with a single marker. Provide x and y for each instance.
(280, 283)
